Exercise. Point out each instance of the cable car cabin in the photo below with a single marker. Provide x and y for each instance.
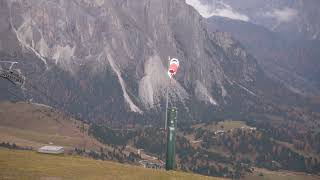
(13, 76)
(173, 67)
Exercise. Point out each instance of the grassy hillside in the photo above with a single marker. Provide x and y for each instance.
(35, 125)
(263, 174)
(15, 164)
(222, 125)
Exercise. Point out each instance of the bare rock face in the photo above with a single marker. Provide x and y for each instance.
(106, 60)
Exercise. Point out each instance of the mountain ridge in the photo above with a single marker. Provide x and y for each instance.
(115, 53)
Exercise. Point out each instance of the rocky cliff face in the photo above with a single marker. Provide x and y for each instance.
(105, 60)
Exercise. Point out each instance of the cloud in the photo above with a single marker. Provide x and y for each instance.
(283, 15)
(201, 8)
(225, 10)
(229, 13)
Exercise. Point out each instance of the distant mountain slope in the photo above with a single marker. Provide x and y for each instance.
(294, 63)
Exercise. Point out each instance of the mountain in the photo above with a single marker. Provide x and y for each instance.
(294, 63)
(105, 61)
(294, 18)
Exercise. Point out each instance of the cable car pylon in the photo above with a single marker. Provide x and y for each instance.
(171, 118)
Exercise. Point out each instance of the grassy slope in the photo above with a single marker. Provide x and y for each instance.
(33, 125)
(16, 164)
(279, 175)
(227, 125)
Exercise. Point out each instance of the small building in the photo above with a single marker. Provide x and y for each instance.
(253, 128)
(152, 165)
(219, 132)
(51, 150)
(140, 151)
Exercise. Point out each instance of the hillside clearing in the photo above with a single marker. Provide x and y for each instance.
(27, 124)
(263, 174)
